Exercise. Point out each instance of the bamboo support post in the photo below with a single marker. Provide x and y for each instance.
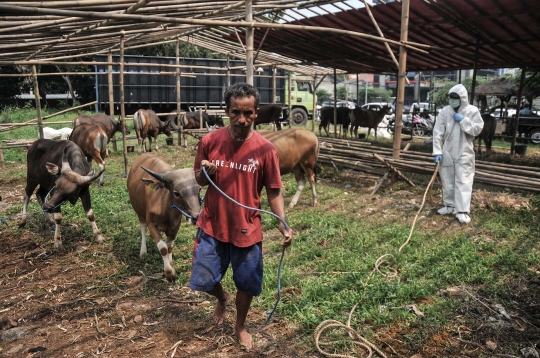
(122, 107)
(38, 102)
(111, 95)
(2, 162)
(399, 174)
(178, 88)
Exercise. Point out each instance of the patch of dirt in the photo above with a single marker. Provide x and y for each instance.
(58, 302)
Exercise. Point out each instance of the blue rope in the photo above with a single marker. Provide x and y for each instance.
(173, 206)
(5, 218)
(270, 312)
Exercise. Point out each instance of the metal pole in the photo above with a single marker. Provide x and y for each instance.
(335, 100)
(475, 70)
(228, 72)
(122, 107)
(518, 108)
(289, 91)
(365, 99)
(357, 92)
(314, 115)
(178, 98)
(274, 84)
(38, 102)
(249, 43)
(111, 95)
(401, 79)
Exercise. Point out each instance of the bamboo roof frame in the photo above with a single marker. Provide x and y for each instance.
(302, 36)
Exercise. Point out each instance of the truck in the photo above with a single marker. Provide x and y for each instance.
(154, 86)
(528, 128)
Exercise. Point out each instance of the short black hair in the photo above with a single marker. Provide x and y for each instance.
(454, 95)
(241, 90)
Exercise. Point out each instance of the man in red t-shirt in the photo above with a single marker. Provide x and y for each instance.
(240, 162)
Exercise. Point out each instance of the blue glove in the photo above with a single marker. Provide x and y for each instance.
(437, 158)
(458, 117)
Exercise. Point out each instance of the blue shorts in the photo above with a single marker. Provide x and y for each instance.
(211, 259)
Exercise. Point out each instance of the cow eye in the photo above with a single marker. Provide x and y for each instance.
(176, 194)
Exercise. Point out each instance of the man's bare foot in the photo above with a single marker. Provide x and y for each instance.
(219, 311)
(244, 338)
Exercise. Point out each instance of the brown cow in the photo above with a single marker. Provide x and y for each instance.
(59, 167)
(147, 124)
(108, 124)
(488, 132)
(367, 118)
(93, 140)
(152, 197)
(298, 150)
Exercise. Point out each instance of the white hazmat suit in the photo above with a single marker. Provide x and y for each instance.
(453, 140)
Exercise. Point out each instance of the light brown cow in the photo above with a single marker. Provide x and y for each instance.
(93, 141)
(153, 188)
(298, 150)
(367, 118)
(147, 124)
(108, 124)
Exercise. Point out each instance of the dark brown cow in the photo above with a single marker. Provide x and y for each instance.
(298, 150)
(59, 167)
(342, 119)
(367, 118)
(268, 113)
(488, 132)
(108, 124)
(192, 120)
(93, 140)
(147, 124)
(153, 187)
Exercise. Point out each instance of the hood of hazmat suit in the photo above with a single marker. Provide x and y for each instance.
(454, 140)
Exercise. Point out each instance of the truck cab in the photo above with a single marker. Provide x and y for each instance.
(301, 97)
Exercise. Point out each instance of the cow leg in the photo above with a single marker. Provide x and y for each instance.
(185, 140)
(144, 228)
(87, 205)
(155, 140)
(28, 191)
(41, 196)
(163, 248)
(57, 221)
(300, 183)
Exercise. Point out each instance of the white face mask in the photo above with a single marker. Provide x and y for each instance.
(454, 102)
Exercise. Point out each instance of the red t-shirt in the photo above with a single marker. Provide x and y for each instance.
(243, 168)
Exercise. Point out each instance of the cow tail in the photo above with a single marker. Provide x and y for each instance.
(316, 168)
(137, 120)
(103, 145)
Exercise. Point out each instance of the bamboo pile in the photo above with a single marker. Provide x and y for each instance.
(362, 156)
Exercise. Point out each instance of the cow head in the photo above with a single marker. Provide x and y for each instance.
(183, 189)
(68, 183)
(165, 128)
(216, 120)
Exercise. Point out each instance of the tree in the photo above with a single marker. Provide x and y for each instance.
(322, 95)
(169, 50)
(9, 86)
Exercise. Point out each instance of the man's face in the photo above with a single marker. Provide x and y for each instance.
(241, 113)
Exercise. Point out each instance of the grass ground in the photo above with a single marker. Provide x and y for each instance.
(470, 291)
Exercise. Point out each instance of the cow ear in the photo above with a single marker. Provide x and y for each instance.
(153, 183)
(52, 168)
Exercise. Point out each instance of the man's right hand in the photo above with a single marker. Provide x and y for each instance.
(437, 158)
(211, 168)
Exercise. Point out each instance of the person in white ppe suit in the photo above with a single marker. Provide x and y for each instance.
(456, 127)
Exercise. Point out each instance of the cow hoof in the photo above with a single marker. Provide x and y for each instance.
(100, 239)
(170, 276)
(58, 243)
(21, 222)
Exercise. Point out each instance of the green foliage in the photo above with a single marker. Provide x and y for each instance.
(9, 86)
(322, 95)
(169, 50)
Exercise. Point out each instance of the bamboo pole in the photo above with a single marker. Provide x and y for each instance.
(111, 96)
(401, 79)
(38, 102)
(190, 21)
(122, 107)
(178, 93)
(314, 115)
(249, 43)
(2, 162)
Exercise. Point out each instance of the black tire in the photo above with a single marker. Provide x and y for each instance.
(418, 132)
(535, 136)
(298, 117)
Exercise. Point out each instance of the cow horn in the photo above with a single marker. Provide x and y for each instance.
(158, 176)
(65, 163)
(89, 178)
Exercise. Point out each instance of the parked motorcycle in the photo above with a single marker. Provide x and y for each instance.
(418, 125)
